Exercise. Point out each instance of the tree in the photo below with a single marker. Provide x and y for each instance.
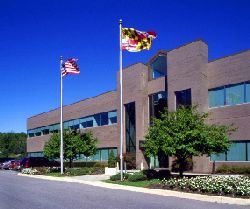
(75, 143)
(111, 160)
(183, 134)
(13, 144)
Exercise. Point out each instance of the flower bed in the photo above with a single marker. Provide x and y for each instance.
(219, 185)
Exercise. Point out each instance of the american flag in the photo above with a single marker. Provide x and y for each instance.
(70, 67)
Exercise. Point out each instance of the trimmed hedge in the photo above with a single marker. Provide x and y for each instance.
(88, 164)
(137, 177)
(117, 177)
(225, 169)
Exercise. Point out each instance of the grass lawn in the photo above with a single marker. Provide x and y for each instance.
(145, 183)
(55, 174)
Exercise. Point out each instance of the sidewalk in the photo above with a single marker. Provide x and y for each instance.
(95, 180)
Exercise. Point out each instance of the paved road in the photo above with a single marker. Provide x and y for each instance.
(19, 192)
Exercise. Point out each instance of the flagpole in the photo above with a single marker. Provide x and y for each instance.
(121, 105)
(61, 121)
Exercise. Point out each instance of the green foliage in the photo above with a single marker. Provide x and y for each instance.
(79, 171)
(111, 160)
(75, 143)
(13, 145)
(80, 164)
(117, 177)
(137, 177)
(226, 169)
(183, 134)
(220, 185)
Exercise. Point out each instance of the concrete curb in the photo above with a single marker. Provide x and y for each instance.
(169, 193)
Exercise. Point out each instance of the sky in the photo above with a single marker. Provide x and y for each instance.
(34, 34)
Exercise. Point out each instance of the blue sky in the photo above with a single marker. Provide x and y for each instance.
(34, 34)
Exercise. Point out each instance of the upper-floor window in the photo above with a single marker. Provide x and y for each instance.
(99, 119)
(159, 67)
(229, 95)
(157, 102)
(183, 98)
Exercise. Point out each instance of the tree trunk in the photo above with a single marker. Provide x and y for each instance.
(182, 164)
(70, 162)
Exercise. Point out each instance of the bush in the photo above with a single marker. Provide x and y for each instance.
(233, 169)
(79, 171)
(81, 164)
(137, 177)
(220, 185)
(101, 164)
(153, 174)
(117, 177)
(111, 160)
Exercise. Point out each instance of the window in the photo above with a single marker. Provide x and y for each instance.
(159, 67)
(238, 151)
(235, 94)
(183, 98)
(216, 97)
(38, 132)
(54, 128)
(218, 157)
(112, 117)
(104, 118)
(247, 91)
(86, 122)
(104, 154)
(229, 95)
(130, 128)
(157, 103)
(31, 133)
(45, 130)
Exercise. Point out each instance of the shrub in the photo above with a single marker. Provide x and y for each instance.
(220, 185)
(111, 160)
(137, 177)
(101, 164)
(233, 169)
(150, 173)
(79, 171)
(81, 164)
(117, 177)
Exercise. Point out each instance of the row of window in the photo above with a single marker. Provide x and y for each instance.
(239, 151)
(101, 155)
(100, 119)
(229, 95)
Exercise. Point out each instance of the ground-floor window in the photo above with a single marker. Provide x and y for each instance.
(102, 154)
(35, 154)
(238, 151)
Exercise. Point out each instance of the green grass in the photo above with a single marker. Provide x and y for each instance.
(55, 174)
(145, 183)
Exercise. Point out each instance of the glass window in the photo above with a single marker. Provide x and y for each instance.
(86, 122)
(31, 133)
(112, 116)
(97, 119)
(38, 132)
(66, 125)
(104, 154)
(216, 97)
(247, 91)
(237, 152)
(157, 103)
(45, 130)
(235, 94)
(159, 67)
(183, 98)
(104, 118)
(218, 157)
(97, 156)
(248, 151)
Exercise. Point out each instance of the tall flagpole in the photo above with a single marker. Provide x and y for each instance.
(61, 123)
(121, 105)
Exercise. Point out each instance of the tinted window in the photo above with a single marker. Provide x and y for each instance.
(216, 97)
(183, 98)
(235, 94)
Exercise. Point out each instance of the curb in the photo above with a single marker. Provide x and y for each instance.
(161, 192)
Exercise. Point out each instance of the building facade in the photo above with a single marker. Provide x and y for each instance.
(182, 76)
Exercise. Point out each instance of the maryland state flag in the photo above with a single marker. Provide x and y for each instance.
(135, 40)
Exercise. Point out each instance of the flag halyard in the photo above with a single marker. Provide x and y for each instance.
(70, 67)
(134, 40)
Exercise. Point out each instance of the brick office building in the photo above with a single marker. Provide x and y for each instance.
(180, 76)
